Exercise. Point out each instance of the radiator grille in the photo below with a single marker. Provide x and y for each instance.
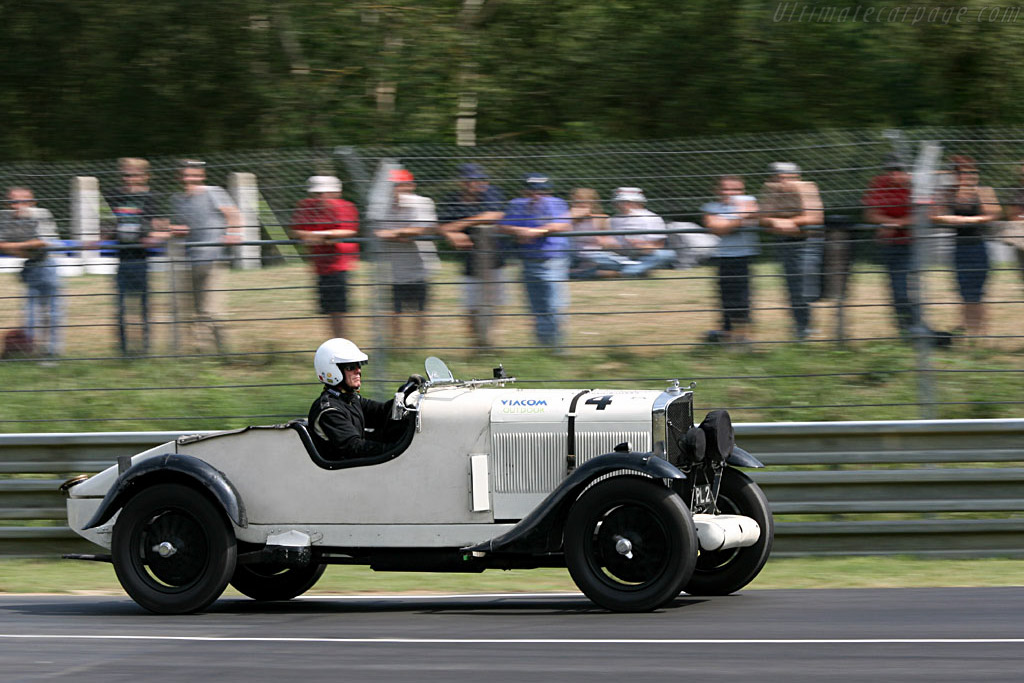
(680, 418)
(535, 463)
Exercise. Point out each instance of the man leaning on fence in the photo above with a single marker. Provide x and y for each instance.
(468, 217)
(791, 209)
(206, 219)
(320, 221)
(536, 221)
(409, 262)
(25, 231)
(136, 226)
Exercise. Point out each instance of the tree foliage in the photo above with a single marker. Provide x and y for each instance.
(87, 78)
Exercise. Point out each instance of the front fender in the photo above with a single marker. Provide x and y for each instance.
(541, 530)
(741, 458)
(171, 467)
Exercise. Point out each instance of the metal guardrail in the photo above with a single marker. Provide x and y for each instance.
(943, 487)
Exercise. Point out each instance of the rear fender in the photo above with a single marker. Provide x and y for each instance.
(177, 467)
(541, 530)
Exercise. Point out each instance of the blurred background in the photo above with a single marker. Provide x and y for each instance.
(657, 96)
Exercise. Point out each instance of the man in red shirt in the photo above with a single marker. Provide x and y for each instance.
(887, 204)
(320, 220)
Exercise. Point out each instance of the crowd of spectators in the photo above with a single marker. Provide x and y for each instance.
(552, 241)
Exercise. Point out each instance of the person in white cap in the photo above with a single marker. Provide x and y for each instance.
(641, 250)
(320, 221)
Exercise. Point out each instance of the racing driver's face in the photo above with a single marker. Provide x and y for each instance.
(353, 376)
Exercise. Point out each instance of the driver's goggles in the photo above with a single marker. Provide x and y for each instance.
(350, 366)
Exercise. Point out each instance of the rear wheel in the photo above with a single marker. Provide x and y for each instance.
(630, 544)
(173, 549)
(267, 582)
(721, 572)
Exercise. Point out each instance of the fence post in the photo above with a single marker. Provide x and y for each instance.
(244, 190)
(85, 223)
(923, 190)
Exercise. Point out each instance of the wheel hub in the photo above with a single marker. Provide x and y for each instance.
(165, 549)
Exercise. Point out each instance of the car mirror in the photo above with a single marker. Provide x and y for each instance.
(437, 371)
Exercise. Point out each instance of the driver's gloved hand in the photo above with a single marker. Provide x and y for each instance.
(412, 384)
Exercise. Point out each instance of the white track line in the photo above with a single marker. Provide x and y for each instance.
(529, 641)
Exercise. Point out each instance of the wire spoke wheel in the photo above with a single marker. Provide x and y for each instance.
(630, 544)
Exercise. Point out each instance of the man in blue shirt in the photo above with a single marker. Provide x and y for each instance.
(536, 221)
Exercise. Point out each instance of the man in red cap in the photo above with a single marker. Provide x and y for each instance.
(409, 262)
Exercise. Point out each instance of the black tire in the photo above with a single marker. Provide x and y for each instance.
(722, 572)
(269, 582)
(661, 536)
(201, 541)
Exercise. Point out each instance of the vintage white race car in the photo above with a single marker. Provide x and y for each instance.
(619, 486)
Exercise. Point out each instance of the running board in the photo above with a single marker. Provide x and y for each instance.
(90, 558)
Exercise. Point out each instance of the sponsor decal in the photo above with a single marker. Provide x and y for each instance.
(521, 406)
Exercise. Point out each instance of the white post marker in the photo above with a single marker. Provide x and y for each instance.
(245, 191)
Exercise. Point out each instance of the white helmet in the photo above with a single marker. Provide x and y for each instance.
(332, 354)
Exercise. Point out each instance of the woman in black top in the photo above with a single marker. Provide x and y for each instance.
(968, 208)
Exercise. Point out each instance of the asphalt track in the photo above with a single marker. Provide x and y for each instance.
(873, 635)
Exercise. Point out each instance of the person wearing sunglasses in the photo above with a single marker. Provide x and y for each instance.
(342, 423)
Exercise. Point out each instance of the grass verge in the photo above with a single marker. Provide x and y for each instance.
(71, 577)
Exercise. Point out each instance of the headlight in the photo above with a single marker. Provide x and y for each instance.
(717, 428)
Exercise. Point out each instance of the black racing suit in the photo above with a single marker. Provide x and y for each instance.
(338, 422)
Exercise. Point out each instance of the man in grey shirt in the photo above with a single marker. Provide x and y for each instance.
(205, 216)
(410, 262)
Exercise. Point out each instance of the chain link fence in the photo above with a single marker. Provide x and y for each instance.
(851, 361)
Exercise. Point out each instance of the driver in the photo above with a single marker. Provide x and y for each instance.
(343, 423)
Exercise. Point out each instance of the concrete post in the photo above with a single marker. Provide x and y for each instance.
(245, 191)
(85, 224)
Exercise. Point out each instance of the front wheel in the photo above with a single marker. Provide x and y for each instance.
(630, 544)
(268, 582)
(173, 549)
(721, 572)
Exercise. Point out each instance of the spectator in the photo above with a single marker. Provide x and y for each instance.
(587, 216)
(320, 220)
(1013, 232)
(468, 217)
(536, 221)
(968, 207)
(206, 216)
(410, 262)
(137, 226)
(733, 219)
(791, 209)
(888, 205)
(645, 249)
(25, 231)
(637, 254)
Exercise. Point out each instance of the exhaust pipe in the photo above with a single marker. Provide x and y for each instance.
(721, 532)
